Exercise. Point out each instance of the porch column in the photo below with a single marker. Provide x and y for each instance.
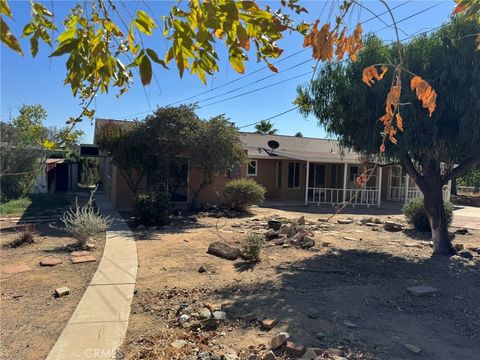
(379, 184)
(307, 174)
(407, 180)
(345, 174)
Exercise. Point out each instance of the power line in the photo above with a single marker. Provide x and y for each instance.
(290, 68)
(277, 62)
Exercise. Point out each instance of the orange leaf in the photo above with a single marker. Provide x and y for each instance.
(382, 148)
(370, 73)
(425, 93)
(273, 68)
(399, 122)
(393, 98)
(459, 9)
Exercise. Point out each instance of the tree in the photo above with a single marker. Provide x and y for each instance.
(428, 146)
(299, 134)
(23, 149)
(129, 149)
(216, 149)
(265, 127)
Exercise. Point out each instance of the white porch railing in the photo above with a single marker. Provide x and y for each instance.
(397, 193)
(325, 196)
(334, 196)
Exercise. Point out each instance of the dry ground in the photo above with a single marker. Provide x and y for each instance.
(32, 318)
(312, 293)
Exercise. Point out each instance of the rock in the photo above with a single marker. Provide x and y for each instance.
(294, 348)
(301, 221)
(375, 228)
(313, 314)
(285, 246)
(279, 339)
(310, 354)
(274, 224)
(269, 323)
(141, 227)
(269, 356)
(371, 224)
(204, 313)
(478, 250)
(51, 262)
(344, 221)
(413, 348)
(461, 231)
(213, 306)
(17, 269)
(230, 356)
(271, 234)
(183, 319)
(422, 290)
(392, 226)
(306, 242)
(83, 259)
(278, 242)
(349, 238)
(178, 344)
(219, 315)
(202, 269)
(320, 335)
(465, 254)
(412, 244)
(458, 247)
(349, 324)
(223, 250)
(62, 291)
(332, 352)
(80, 253)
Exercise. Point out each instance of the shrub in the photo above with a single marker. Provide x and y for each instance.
(26, 236)
(242, 193)
(152, 209)
(85, 222)
(252, 247)
(416, 215)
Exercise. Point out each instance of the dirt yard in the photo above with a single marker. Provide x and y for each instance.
(32, 317)
(346, 296)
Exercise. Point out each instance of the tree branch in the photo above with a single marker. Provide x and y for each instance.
(461, 169)
(407, 163)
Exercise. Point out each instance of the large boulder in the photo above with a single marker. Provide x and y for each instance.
(223, 250)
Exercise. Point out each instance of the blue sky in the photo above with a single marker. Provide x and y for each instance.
(27, 81)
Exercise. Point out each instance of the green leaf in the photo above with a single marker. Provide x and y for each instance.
(67, 34)
(237, 64)
(65, 47)
(145, 70)
(5, 9)
(8, 38)
(153, 55)
(144, 22)
(34, 46)
(40, 9)
(28, 29)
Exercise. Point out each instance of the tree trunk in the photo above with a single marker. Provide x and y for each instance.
(433, 201)
(454, 186)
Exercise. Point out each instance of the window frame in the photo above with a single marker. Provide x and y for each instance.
(256, 167)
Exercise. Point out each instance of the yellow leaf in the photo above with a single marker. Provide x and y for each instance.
(237, 64)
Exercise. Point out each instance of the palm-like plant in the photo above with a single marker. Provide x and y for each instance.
(265, 127)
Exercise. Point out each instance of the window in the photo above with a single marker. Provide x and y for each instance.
(353, 173)
(316, 176)
(279, 175)
(252, 168)
(333, 175)
(294, 175)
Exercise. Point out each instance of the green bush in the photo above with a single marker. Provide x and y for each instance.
(416, 215)
(252, 247)
(242, 193)
(152, 209)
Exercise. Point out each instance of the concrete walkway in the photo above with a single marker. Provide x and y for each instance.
(98, 325)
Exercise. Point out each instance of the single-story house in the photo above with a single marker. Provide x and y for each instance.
(299, 170)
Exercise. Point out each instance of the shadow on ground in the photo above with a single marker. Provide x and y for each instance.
(315, 300)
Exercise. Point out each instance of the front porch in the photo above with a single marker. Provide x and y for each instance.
(341, 185)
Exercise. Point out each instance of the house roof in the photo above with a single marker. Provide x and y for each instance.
(290, 147)
(298, 148)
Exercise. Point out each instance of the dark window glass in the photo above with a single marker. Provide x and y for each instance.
(293, 175)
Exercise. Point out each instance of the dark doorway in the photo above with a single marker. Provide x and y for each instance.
(61, 177)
